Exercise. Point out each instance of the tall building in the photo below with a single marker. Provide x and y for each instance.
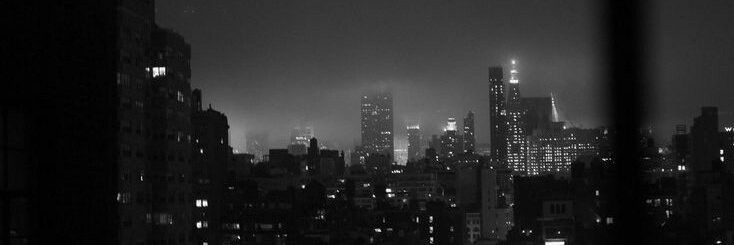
(705, 140)
(414, 142)
(301, 135)
(61, 141)
(681, 146)
(516, 135)
(538, 113)
(169, 150)
(469, 138)
(133, 74)
(450, 140)
(100, 177)
(497, 115)
(210, 158)
(377, 124)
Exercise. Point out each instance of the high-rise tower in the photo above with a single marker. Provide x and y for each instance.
(450, 140)
(469, 139)
(377, 124)
(414, 142)
(516, 143)
(497, 122)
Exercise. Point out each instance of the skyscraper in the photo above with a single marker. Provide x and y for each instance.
(497, 120)
(469, 138)
(538, 113)
(414, 142)
(450, 140)
(516, 142)
(133, 75)
(169, 113)
(377, 124)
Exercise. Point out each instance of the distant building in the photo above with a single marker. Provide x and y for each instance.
(257, 145)
(469, 138)
(377, 124)
(301, 135)
(358, 156)
(414, 143)
(705, 137)
(450, 140)
(483, 149)
(553, 151)
(538, 112)
(240, 166)
(331, 164)
(516, 142)
(297, 149)
(497, 115)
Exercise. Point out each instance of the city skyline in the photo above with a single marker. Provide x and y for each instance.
(478, 122)
(255, 77)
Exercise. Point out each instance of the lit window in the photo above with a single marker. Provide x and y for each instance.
(179, 96)
(200, 203)
(202, 224)
(159, 71)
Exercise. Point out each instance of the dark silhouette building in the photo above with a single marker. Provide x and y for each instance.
(414, 143)
(469, 139)
(210, 158)
(704, 140)
(497, 115)
(538, 113)
(168, 110)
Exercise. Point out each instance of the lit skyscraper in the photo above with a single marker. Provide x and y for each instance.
(516, 142)
(450, 140)
(497, 123)
(414, 142)
(377, 124)
(469, 139)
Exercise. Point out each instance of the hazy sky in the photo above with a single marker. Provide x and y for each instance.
(270, 65)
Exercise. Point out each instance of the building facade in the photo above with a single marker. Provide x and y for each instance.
(497, 119)
(516, 135)
(469, 139)
(414, 142)
(377, 124)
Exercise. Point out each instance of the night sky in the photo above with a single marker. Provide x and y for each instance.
(270, 65)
